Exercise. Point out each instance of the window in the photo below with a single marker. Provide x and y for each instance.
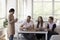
(46, 8)
(24, 8)
(42, 8)
(2, 8)
(57, 9)
(21, 8)
(2, 11)
(57, 0)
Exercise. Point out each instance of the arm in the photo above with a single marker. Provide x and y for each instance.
(15, 20)
(10, 20)
(48, 28)
(38, 29)
(21, 27)
(54, 26)
(32, 27)
(44, 26)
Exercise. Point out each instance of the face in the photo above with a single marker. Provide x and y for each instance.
(39, 19)
(11, 12)
(28, 19)
(50, 20)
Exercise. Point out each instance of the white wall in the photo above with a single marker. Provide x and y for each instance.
(27, 8)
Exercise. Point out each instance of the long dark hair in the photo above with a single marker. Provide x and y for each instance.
(41, 21)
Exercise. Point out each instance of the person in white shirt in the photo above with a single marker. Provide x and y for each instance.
(27, 26)
(40, 26)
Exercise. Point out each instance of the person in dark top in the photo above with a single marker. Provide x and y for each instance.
(51, 27)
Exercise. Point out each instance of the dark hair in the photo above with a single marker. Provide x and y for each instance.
(51, 18)
(29, 17)
(11, 10)
(41, 21)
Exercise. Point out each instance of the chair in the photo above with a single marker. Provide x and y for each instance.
(2, 35)
(55, 37)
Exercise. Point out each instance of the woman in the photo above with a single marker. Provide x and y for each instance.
(11, 24)
(40, 26)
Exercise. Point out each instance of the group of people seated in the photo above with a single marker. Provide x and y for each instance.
(29, 25)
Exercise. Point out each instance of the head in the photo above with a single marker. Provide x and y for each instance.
(11, 11)
(50, 19)
(28, 18)
(40, 19)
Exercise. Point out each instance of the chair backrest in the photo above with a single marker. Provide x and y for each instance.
(57, 29)
(55, 37)
(58, 26)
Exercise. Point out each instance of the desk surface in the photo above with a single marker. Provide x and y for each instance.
(40, 32)
(33, 32)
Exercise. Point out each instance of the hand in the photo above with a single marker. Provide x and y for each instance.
(49, 29)
(37, 29)
(16, 20)
(21, 28)
(29, 28)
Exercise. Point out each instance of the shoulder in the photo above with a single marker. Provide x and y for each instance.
(9, 16)
(54, 24)
(24, 21)
(31, 21)
(44, 24)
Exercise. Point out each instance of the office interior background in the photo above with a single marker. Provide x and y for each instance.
(34, 8)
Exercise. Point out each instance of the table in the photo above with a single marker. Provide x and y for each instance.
(35, 32)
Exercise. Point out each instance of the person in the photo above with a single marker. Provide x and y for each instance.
(40, 26)
(51, 27)
(11, 24)
(27, 26)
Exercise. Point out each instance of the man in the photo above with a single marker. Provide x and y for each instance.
(28, 26)
(11, 24)
(51, 27)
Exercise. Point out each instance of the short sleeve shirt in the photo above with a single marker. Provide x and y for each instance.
(27, 25)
